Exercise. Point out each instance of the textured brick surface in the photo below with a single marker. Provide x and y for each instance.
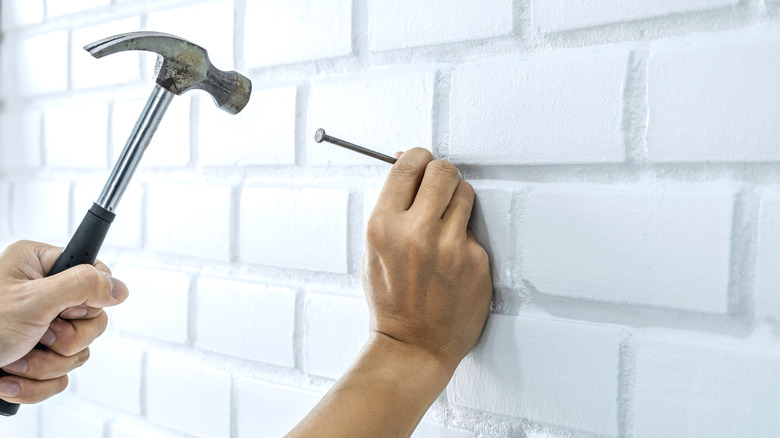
(692, 383)
(627, 246)
(558, 15)
(112, 365)
(302, 229)
(268, 410)
(177, 212)
(769, 255)
(336, 329)
(88, 149)
(57, 8)
(386, 111)
(27, 222)
(268, 312)
(61, 421)
(21, 133)
(262, 133)
(173, 400)
(41, 64)
(159, 298)
(725, 95)
(554, 372)
(15, 14)
(119, 68)
(564, 108)
(301, 30)
(408, 23)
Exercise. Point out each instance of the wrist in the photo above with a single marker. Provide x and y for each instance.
(412, 363)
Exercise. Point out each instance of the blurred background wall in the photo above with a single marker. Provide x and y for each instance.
(626, 158)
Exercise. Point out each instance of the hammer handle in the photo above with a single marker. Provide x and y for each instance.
(82, 249)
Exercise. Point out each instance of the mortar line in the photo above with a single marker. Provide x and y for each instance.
(626, 386)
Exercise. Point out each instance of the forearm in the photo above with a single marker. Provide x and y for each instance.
(385, 394)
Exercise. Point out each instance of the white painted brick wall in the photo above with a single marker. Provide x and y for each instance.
(116, 365)
(88, 123)
(188, 396)
(267, 411)
(725, 95)
(29, 221)
(158, 307)
(565, 108)
(300, 228)
(288, 31)
(554, 372)
(177, 212)
(41, 64)
(21, 132)
(62, 421)
(624, 156)
(386, 111)
(628, 245)
(407, 23)
(262, 134)
(692, 382)
(769, 254)
(336, 328)
(268, 312)
(559, 15)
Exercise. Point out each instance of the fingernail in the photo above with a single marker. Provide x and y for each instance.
(48, 338)
(18, 367)
(118, 289)
(9, 389)
(75, 312)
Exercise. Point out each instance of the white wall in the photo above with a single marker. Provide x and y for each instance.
(626, 157)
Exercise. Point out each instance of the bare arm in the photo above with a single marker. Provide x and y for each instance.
(428, 285)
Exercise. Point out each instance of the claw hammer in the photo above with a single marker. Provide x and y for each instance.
(181, 66)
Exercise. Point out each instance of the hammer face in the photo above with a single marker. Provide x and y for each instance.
(181, 66)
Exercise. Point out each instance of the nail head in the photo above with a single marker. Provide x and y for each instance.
(319, 135)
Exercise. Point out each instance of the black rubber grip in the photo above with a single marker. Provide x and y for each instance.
(82, 249)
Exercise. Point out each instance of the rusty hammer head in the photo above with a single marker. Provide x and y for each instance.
(181, 66)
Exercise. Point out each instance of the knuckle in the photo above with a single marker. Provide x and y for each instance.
(376, 229)
(404, 171)
(467, 189)
(88, 277)
(444, 167)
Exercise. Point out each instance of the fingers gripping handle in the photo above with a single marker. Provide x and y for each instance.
(82, 249)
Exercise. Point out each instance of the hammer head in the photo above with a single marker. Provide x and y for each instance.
(181, 66)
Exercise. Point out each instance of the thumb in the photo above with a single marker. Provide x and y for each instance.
(80, 285)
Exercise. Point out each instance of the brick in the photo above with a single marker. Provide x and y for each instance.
(189, 22)
(124, 428)
(59, 421)
(650, 246)
(563, 108)
(386, 111)
(724, 95)
(114, 365)
(295, 228)
(191, 220)
(42, 64)
(20, 13)
(20, 137)
(431, 430)
(267, 410)
(119, 68)
(125, 231)
(170, 146)
(227, 308)
(157, 298)
(769, 255)
(335, 330)
(398, 25)
(301, 30)
(554, 372)
(24, 424)
(27, 219)
(187, 396)
(705, 388)
(59, 8)
(65, 148)
(263, 133)
(490, 222)
(560, 15)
